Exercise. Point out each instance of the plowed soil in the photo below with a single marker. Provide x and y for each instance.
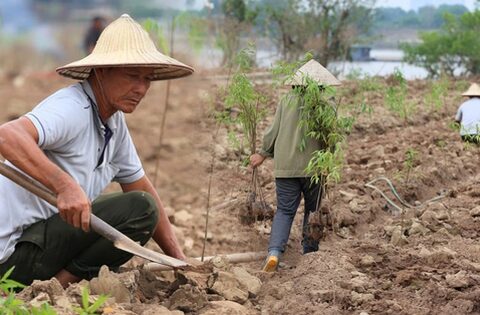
(374, 258)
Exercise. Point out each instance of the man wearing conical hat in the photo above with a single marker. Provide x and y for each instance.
(468, 115)
(75, 142)
(282, 141)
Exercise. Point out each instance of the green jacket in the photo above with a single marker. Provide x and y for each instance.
(283, 138)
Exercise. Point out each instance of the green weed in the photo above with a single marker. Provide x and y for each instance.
(436, 98)
(396, 97)
(10, 305)
(411, 160)
(87, 308)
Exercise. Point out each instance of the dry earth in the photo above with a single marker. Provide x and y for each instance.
(373, 259)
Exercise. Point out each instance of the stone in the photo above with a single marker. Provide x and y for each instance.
(226, 285)
(252, 283)
(322, 296)
(187, 298)
(51, 287)
(220, 262)
(183, 218)
(398, 239)
(458, 280)
(188, 243)
(472, 265)
(356, 205)
(378, 152)
(40, 299)
(417, 228)
(475, 212)
(345, 218)
(367, 261)
(347, 196)
(442, 215)
(429, 219)
(197, 279)
(201, 235)
(152, 309)
(360, 298)
(225, 307)
(108, 283)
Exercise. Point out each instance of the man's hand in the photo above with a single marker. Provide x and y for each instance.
(256, 159)
(74, 206)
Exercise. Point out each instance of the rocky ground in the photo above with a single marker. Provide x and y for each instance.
(374, 258)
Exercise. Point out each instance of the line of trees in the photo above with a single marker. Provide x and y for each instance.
(453, 50)
(427, 17)
(328, 28)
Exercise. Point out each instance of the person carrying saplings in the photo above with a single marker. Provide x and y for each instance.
(283, 141)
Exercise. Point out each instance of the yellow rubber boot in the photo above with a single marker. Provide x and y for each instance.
(271, 264)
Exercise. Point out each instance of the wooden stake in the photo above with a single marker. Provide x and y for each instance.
(230, 258)
(164, 116)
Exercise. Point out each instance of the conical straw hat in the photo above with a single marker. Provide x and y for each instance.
(473, 90)
(314, 71)
(124, 43)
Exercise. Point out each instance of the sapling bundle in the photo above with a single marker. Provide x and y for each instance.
(320, 120)
(244, 108)
(320, 123)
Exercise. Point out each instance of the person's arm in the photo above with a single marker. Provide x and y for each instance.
(458, 116)
(163, 235)
(268, 143)
(19, 145)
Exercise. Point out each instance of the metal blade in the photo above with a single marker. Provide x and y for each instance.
(122, 242)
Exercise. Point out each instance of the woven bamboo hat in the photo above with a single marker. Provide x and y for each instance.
(124, 43)
(473, 90)
(314, 71)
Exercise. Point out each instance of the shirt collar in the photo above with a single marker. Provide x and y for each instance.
(112, 124)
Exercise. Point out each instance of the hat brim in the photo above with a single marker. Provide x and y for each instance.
(161, 72)
(165, 68)
(471, 94)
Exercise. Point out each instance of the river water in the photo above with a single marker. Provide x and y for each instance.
(384, 64)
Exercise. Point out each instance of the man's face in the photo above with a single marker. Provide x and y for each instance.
(124, 88)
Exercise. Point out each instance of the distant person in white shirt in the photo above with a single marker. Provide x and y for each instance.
(468, 115)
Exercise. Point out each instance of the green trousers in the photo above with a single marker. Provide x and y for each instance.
(49, 246)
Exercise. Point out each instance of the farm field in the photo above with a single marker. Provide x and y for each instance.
(423, 258)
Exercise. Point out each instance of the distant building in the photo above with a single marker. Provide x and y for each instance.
(360, 53)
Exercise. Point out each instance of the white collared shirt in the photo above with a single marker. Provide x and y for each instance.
(468, 115)
(72, 135)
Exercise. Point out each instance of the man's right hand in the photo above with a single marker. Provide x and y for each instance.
(74, 206)
(256, 159)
